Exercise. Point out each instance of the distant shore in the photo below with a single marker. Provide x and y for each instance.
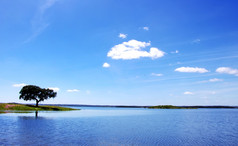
(138, 106)
(62, 107)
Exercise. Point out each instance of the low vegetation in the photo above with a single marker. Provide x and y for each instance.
(25, 107)
(169, 107)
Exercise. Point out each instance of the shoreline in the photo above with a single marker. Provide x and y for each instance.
(147, 106)
(132, 106)
(31, 107)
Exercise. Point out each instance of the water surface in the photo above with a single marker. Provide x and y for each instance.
(121, 126)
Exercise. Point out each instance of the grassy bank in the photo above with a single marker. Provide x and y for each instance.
(169, 107)
(26, 107)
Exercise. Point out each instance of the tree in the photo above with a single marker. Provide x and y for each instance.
(32, 92)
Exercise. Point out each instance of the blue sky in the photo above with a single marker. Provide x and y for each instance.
(123, 52)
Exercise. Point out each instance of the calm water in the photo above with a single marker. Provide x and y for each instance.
(118, 126)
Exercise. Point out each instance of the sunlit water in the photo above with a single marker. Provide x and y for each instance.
(121, 126)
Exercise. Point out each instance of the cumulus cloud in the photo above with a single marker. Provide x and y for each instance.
(133, 50)
(227, 70)
(106, 65)
(146, 28)
(188, 93)
(19, 85)
(158, 75)
(121, 35)
(54, 88)
(191, 69)
(72, 90)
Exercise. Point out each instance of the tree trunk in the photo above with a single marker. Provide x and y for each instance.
(37, 103)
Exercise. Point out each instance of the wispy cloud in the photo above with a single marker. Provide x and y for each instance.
(174, 78)
(215, 80)
(210, 59)
(191, 70)
(133, 50)
(73, 90)
(146, 28)
(196, 41)
(54, 88)
(19, 85)
(36, 32)
(227, 70)
(122, 35)
(213, 92)
(175, 52)
(38, 23)
(106, 65)
(158, 75)
(188, 93)
(211, 80)
(205, 94)
(171, 64)
(47, 5)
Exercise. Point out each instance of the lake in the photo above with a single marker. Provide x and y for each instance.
(121, 126)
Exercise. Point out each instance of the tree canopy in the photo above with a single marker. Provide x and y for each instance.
(32, 92)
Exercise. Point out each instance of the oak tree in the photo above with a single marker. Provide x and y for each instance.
(32, 92)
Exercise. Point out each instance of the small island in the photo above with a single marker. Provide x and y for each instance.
(169, 107)
(26, 107)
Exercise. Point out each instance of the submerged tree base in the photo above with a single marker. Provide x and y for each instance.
(27, 107)
(169, 107)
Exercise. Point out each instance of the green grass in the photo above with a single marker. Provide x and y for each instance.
(168, 107)
(25, 107)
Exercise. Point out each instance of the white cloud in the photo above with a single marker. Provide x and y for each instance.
(146, 28)
(106, 65)
(133, 50)
(211, 80)
(121, 35)
(196, 41)
(227, 70)
(215, 80)
(175, 52)
(73, 90)
(54, 88)
(188, 93)
(191, 69)
(158, 75)
(19, 85)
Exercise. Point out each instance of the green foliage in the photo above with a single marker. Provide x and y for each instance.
(32, 92)
(2, 106)
(168, 107)
(22, 107)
